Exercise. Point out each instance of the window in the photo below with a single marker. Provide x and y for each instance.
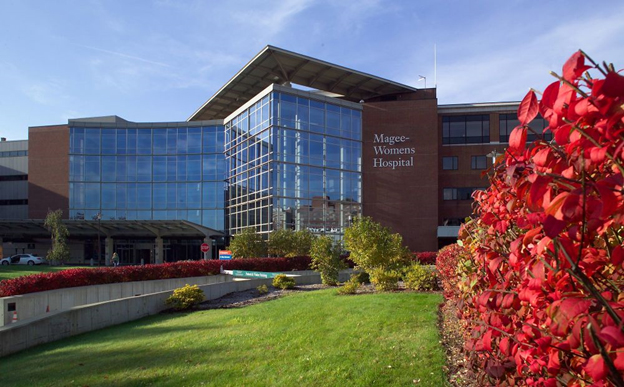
(13, 177)
(449, 193)
(478, 162)
(472, 129)
(14, 153)
(507, 123)
(463, 193)
(449, 163)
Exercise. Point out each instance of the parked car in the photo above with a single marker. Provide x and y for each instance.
(23, 259)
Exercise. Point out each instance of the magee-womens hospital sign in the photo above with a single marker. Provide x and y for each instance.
(391, 152)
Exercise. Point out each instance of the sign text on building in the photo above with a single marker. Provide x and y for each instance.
(392, 146)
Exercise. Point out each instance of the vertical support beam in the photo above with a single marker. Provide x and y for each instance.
(207, 255)
(160, 251)
(109, 246)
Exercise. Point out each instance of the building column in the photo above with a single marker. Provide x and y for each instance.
(159, 253)
(109, 246)
(208, 255)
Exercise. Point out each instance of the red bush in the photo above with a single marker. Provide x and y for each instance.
(86, 277)
(543, 294)
(426, 257)
(447, 263)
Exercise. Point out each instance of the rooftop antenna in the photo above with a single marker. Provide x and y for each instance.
(435, 67)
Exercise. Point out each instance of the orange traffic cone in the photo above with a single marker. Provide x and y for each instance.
(14, 317)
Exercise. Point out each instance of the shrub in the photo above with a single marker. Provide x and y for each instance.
(421, 278)
(447, 265)
(262, 289)
(282, 281)
(325, 255)
(281, 243)
(351, 286)
(303, 243)
(377, 251)
(248, 244)
(386, 280)
(426, 257)
(362, 277)
(59, 252)
(87, 277)
(542, 291)
(185, 297)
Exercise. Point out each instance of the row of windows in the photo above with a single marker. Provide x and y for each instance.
(14, 153)
(144, 196)
(13, 202)
(209, 218)
(464, 193)
(208, 139)
(147, 168)
(294, 112)
(13, 177)
(315, 116)
(508, 122)
(476, 162)
(474, 129)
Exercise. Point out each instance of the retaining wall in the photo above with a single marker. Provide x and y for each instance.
(57, 325)
(36, 305)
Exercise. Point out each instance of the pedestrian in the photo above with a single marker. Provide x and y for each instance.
(115, 259)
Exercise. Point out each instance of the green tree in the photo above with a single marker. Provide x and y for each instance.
(248, 244)
(303, 243)
(281, 243)
(54, 223)
(378, 251)
(325, 254)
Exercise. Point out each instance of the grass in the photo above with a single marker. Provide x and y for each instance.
(14, 271)
(306, 339)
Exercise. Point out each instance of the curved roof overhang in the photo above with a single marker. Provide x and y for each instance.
(132, 229)
(275, 65)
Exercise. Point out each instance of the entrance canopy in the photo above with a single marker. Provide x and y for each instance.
(131, 229)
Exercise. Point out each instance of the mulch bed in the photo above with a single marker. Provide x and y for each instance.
(451, 336)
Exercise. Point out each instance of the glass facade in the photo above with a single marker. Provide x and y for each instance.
(162, 173)
(287, 160)
(294, 162)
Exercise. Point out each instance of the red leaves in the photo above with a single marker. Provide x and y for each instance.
(517, 139)
(596, 368)
(574, 67)
(543, 285)
(565, 311)
(528, 108)
(613, 85)
(85, 277)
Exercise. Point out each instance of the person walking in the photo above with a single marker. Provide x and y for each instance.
(115, 259)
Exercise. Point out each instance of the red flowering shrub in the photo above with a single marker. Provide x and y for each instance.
(426, 257)
(447, 264)
(544, 297)
(86, 277)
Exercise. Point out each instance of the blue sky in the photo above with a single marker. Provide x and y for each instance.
(150, 61)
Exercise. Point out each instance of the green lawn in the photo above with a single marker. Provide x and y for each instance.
(307, 339)
(13, 271)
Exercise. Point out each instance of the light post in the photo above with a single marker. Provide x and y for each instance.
(98, 217)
